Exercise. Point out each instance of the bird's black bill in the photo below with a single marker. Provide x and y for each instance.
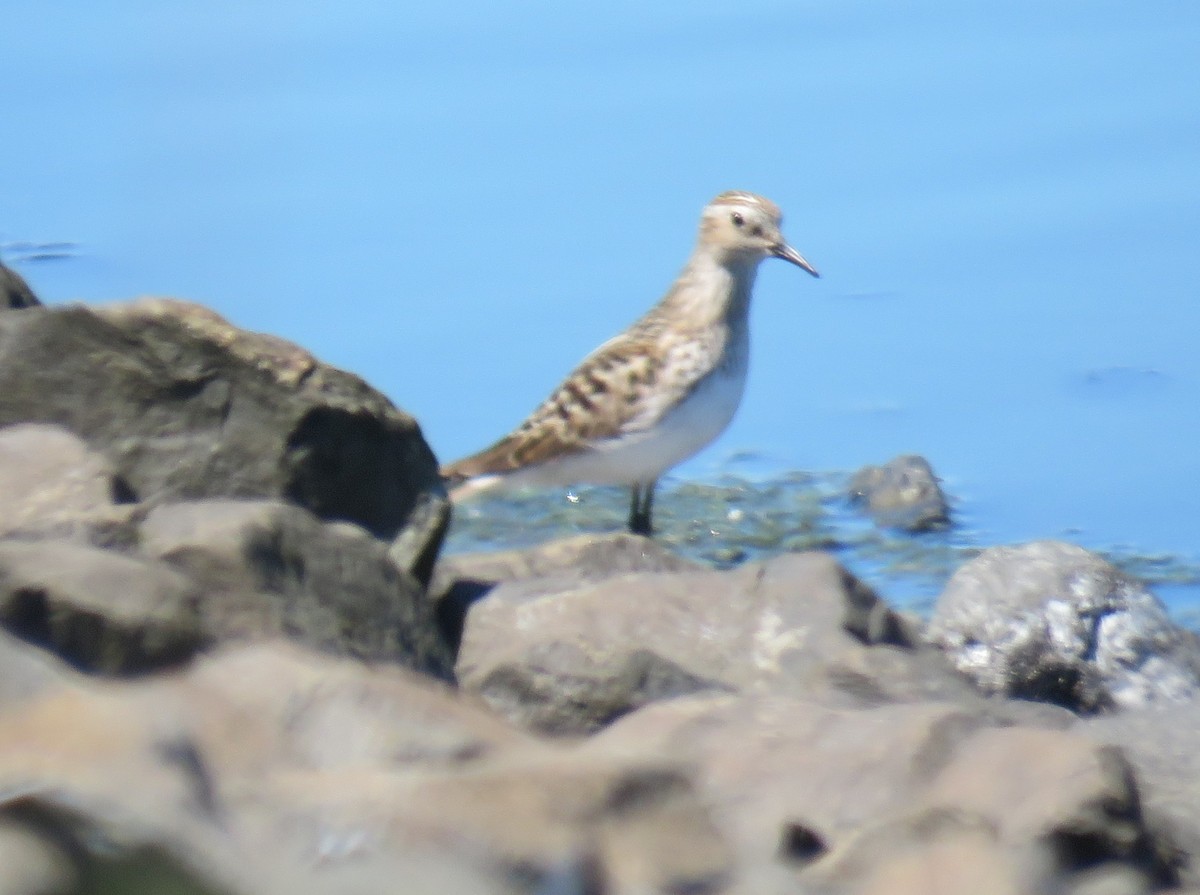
(787, 253)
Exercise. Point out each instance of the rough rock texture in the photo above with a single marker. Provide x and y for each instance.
(569, 659)
(832, 791)
(903, 493)
(100, 610)
(14, 291)
(822, 757)
(267, 568)
(216, 663)
(266, 768)
(1052, 621)
(459, 581)
(123, 588)
(187, 406)
(53, 485)
(1162, 744)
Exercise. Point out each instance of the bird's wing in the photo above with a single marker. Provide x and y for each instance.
(602, 398)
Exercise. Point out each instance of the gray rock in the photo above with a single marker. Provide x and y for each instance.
(27, 671)
(572, 660)
(903, 493)
(270, 769)
(963, 852)
(14, 291)
(1162, 743)
(459, 581)
(269, 569)
(886, 791)
(1052, 621)
(98, 610)
(186, 406)
(53, 486)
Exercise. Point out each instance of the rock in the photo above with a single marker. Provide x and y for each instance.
(461, 580)
(1054, 622)
(1051, 786)
(1162, 743)
(270, 569)
(770, 762)
(98, 610)
(53, 486)
(572, 660)
(903, 493)
(268, 767)
(962, 852)
(14, 291)
(27, 672)
(187, 406)
(960, 787)
(33, 862)
(265, 569)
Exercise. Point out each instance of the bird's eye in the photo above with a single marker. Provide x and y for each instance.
(737, 219)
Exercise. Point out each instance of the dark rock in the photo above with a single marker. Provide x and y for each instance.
(1051, 621)
(187, 406)
(14, 291)
(98, 610)
(570, 660)
(269, 569)
(903, 493)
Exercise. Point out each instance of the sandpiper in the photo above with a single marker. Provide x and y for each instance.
(660, 391)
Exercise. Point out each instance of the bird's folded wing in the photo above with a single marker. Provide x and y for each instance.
(604, 397)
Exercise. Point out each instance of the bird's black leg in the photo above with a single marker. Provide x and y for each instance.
(639, 509)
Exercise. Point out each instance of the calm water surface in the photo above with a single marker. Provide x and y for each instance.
(460, 202)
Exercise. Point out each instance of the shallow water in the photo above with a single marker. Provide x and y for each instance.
(459, 202)
(736, 518)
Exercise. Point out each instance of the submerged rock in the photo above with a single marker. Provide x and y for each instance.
(903, 493)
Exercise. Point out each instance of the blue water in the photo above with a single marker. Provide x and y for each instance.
(459, 202)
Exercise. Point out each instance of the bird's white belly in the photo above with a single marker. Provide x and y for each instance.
(643, 456)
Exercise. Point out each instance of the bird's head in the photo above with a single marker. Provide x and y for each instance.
(743, 228)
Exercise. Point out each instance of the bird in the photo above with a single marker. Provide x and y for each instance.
(657, 393)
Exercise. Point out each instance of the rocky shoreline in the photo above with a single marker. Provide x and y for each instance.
(235, 658)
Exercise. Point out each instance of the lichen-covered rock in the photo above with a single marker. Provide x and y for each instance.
(1052, 621)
